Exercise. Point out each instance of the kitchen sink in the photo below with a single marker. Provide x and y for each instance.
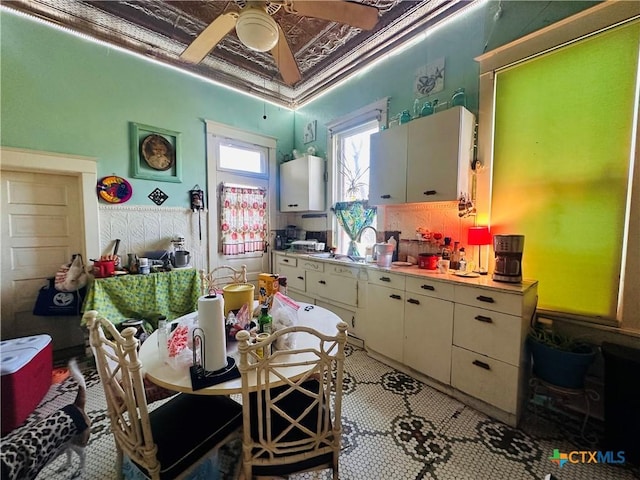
(338, 257)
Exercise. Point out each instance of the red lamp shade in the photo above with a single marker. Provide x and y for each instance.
(479, 236)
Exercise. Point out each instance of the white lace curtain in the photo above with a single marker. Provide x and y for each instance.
(243, 219)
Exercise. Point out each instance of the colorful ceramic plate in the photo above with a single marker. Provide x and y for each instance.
(114, 189)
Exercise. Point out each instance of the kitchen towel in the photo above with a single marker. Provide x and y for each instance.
(211, 321)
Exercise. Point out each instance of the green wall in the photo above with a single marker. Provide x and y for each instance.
(61, 93)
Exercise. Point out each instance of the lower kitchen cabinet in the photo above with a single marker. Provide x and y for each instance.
(428, 330)
(385, 321)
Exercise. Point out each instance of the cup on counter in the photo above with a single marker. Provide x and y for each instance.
(443, 266)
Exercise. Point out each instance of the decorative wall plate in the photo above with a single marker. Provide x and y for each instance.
(157, 152)
(114, 189)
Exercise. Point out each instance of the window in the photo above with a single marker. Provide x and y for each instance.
(563, 149)
(350, 164)
(242, 158)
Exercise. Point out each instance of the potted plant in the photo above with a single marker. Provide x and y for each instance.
(559, 359)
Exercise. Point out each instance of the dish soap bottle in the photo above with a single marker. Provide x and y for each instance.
(265, 322)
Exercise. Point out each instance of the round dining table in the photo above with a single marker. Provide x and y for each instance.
(158, 371)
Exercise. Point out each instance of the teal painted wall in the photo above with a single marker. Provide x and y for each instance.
(64, 94)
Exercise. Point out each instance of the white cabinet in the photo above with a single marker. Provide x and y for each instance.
(385, 321)
(428, 327)
(425, 160)
(489, 360)
(302, 184)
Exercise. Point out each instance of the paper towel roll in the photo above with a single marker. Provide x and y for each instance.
(211, 321)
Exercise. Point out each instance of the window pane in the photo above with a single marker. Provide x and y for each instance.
(563, 131)
(236, 158)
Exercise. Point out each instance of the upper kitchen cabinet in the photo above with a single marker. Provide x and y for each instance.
(302, 184)
(425, 160)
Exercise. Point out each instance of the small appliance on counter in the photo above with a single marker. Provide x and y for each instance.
(508, 252)
(180, 256)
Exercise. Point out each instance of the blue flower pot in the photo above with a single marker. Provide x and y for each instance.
(558, 367)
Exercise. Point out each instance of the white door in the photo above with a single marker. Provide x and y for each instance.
(42, 226)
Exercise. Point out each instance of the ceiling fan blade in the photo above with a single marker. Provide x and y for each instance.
(209, 38)
(354, 14)
(285, 61)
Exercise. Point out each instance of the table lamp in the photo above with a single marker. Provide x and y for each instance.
(479, 236)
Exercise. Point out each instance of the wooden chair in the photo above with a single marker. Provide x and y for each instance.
(289, 425)
(219, 277)
(170, 441)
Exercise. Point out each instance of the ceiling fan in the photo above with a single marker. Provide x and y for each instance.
(258, 31)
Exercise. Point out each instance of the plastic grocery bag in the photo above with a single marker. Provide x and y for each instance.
(180, 344)
(284, 312)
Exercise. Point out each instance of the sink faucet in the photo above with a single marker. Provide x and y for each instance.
(359, 234)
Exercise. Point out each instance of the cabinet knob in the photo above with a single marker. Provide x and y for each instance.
(480, 364)
(395, 297)
(482, 298)
(385, 279)
(428, 287)
(414, 301)
(482, 318)
(385, 196)
(429, 192)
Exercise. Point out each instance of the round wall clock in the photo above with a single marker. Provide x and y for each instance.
(114, 189)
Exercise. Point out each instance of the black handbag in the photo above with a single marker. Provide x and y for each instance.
(51, 302)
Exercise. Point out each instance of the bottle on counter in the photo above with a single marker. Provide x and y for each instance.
(265, 321)
(446, 249)
(462, 262)
(455, 256)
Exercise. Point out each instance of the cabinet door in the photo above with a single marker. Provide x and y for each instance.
(333, 287)
(428, 331)
(295, 277)
(388, 166)
(302, 184)
(439, 156)
(385, 321)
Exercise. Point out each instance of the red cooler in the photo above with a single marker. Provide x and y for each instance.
(26, 367)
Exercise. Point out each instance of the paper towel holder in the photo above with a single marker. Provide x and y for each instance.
(201, 378)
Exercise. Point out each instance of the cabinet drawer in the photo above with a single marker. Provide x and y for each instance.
(342, 270)
(311, 265)
(431, 288)
(332, 287)
(495, 334)
(489, 299)
(295, 277)
(285, 260)
(386, 279)
(490, 380)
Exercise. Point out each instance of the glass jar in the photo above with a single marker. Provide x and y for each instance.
(459, 98)
(427, 109)
(405, 117)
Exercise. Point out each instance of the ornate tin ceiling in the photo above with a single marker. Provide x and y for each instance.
(326, 52)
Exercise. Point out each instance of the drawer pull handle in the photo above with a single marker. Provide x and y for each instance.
(428, 287)
(353, 321)
(285, 260)
(395, 297)
(385, 279)
(385, 196)
(482, 318)
(322, 282)
(429, 192)
(292, 205)
(300, 278)
(480, 364)
(482, 298)
(414, 301)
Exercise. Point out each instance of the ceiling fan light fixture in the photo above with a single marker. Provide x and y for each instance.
(257, 29)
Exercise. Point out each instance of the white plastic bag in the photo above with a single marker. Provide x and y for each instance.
(72, 277)
(284, 312)
(180, 344)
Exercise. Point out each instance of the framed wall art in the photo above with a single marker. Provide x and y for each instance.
(310, 132)
(155, 153)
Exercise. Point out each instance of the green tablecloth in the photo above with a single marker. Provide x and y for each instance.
(118, 298)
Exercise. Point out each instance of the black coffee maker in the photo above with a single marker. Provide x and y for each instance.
(508, 251)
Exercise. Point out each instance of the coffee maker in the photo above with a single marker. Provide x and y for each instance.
(508, 251)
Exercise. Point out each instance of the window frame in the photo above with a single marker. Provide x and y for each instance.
(595, 20)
